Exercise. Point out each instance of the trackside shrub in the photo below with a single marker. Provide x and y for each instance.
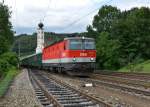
(5, 83)
(4, 66)
(11, 58)
(7, 60)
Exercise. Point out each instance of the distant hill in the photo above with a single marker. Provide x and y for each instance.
(27, 43)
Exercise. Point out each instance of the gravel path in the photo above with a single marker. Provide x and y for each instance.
(20, 93)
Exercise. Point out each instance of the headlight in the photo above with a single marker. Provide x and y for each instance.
(74, 59)
(92, 59)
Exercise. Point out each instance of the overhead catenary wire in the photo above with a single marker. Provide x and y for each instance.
(75, 21)
(48, 7)
(2, 1)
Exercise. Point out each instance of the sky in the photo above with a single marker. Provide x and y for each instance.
(61, 16)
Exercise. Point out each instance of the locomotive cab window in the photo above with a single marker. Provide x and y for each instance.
(89, 44)
(75, 44)
(79, 44)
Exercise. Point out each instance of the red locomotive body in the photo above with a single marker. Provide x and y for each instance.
(74, 55)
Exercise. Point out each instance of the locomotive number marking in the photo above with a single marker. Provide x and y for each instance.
(83, 54)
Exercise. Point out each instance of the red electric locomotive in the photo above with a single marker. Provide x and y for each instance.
(73, 55)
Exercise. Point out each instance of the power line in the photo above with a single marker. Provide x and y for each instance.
(2, 1)
(74, 22)
(15, 11)
(48, 7)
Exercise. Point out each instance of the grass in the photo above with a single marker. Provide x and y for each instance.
(4, 84)
(141, 68)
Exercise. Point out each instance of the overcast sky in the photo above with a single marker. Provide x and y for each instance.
(58, 15)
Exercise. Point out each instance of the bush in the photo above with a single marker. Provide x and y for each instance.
(11, 58)
(4, 84)
(7, 60)
(4, 65)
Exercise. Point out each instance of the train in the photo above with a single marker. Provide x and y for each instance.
(72, 55)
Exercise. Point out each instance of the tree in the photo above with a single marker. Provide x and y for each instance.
(104, 19)
(91, 33)
(128, 31)
(133, 31)
(107, 51)
(6, 33)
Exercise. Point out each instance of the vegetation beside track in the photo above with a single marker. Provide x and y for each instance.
(8, 70)
(8, 59)
(5, 82)
(138, 68)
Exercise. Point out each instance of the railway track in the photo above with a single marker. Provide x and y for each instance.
(40, 93)
(132, 76)
(118, 86)
(145, 84)
(122, 87)
(55, 93)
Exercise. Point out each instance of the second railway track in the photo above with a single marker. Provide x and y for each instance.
(145, 84)
(54, 93)
(118, 86)
(123, 87)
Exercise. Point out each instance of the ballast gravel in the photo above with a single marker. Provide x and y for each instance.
(112, 96)
(20, 93)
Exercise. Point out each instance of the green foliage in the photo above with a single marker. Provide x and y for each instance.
(128, 31)
(103, 21)
(7, 60)
(7, 80)
(6, 39)
(4, 66)
(133, 34)
(11, 58)
(107, 51)
(6, 34)
(26, 43)
(143, 67)
(105, 17)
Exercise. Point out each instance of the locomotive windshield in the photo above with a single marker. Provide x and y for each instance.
(78, 44)
(89, 44)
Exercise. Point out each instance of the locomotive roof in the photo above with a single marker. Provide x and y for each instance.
(69, 38)
(78, 38)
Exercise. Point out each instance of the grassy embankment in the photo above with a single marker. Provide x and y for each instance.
(5, 82)
(141, 68)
